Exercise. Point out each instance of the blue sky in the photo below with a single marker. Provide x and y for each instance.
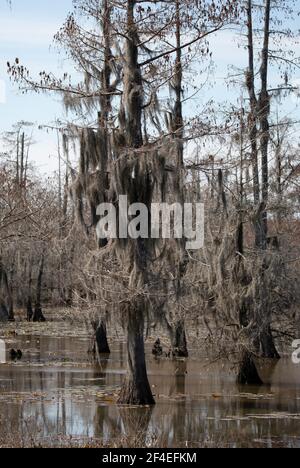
(26, 32)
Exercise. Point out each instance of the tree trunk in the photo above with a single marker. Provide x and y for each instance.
(279, 179)
(29, 310)
(3, 313)
(18, 160)
(252, 120)
(100, 341)
(177, 330)
(178, 340)
(29, 299)
(22, 159)
(264, 111)
(136, 389)
(38, 314)
(11, 315)
(259, 112)
(6, 299)
(248, 374)
(267, 346)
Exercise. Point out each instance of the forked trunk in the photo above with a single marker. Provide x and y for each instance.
(136, 388)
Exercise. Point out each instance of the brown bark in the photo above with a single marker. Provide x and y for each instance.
(29, 310)
(18, 160)
(267, 347)
(279, 175)
(6, 299)
(29, 298)
(100, 341)
(105, 99)
(178, 339)
(136, 388)
(253, 121)
(178, 114)
(264, 111)
(11, 314)
(177, 330)
(248, 374)
(259, 113)
(133, 100)
(22, 159)
(4, 314)
(38, 314)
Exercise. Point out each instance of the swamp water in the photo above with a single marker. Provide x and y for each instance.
(55, 394)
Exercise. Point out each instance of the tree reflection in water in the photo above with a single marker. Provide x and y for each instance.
(196, 404)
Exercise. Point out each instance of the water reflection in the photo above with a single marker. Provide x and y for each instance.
(56, 391)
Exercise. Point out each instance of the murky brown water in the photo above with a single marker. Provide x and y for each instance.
(54, 391)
